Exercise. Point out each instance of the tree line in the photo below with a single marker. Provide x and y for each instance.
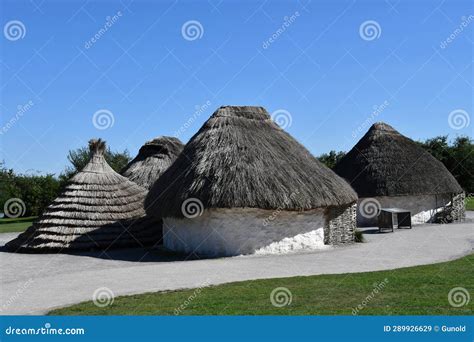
(38, 191)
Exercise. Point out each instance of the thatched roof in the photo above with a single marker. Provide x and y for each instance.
(241, 158)
(386, 163)
(97, 209)
(152, 160)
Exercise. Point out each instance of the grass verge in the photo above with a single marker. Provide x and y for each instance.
(421, 290)
(9, 225)
(470, 203)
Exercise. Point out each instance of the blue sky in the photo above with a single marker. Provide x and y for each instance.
(322, 70)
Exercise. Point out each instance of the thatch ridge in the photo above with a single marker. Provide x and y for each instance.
(96, 146)
(154, 158)
(386, 163)
(241, 158)
(97, 209)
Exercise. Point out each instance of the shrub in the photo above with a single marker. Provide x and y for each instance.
(358, 236)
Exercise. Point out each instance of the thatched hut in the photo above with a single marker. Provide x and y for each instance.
(152, 160)
(388, 169)
(98, 209)
(242, 185)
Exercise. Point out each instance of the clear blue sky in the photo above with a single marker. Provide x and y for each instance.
(318, 68)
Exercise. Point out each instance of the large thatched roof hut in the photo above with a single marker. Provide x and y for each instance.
(98, 209)
(152, 160)
(388, 169)
(243, 185)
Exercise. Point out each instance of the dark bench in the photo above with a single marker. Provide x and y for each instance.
(386, 218)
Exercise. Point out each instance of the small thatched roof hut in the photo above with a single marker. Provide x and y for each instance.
(152, 160)
(98, 209)
(243, 185)
(397, 172)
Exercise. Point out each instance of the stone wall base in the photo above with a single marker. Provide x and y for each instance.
(340, 224)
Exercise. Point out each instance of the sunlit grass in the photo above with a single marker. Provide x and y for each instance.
(421, 290)
(9, 225)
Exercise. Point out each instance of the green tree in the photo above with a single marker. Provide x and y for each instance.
(439, 148)
(457, 156)
(36, 191)
(332, 158)
(8, 188)
(463, 165)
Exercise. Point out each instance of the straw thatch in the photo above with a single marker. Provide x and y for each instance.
(152, 160)
(386, 163)
(97, 209)
(241, 158)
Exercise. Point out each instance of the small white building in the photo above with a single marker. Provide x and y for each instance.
(389, 170)
(242, 185)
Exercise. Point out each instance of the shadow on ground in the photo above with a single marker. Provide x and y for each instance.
(152, 254)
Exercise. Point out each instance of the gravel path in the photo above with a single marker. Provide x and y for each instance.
(37, 283)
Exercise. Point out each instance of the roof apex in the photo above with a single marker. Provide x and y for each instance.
(97, 146)
(247, 112)
(382, 126)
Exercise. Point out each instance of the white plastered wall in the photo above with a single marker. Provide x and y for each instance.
(229, 232)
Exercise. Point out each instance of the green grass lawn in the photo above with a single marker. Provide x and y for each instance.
(421, 290)
(470, 203)
(8, 225)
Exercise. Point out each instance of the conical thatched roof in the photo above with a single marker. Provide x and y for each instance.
(152, 160)
(241, 158)
(97, 209)
(386, 163)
